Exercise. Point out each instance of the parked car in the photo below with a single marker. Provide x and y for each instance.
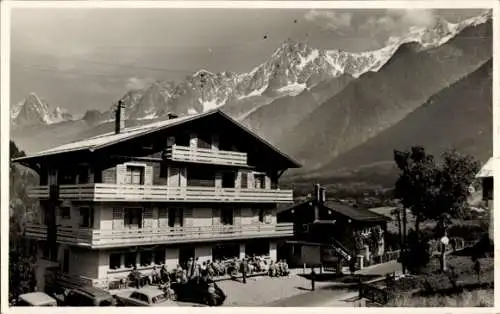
(208, 293)
(36, 299)
(145, 296)
(88, 296)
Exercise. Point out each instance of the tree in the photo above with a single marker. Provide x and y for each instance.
(416, 186)
(455, 177)
(431, 190)
(21, 274)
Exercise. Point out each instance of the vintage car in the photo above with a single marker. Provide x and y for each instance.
(208, 293)
(146, 296)
(88, 296)
(36, 299)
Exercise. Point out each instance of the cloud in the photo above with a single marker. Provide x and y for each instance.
(399, 20)
(134, 83)
(330, 19)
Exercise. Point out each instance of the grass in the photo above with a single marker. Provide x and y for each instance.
(476, 298)
(432, 288)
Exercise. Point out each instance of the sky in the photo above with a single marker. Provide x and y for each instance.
(80, 58)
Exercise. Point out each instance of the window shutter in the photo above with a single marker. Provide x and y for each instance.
(147, 215)
(188, 217)
(118, 218)
(255, 215)
(121, 174)
(148, 175)
(237, 216)
(162, 217)
(216, 216)
(183, 180)
(267, 182)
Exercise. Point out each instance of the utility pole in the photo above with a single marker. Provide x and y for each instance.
(404, 246)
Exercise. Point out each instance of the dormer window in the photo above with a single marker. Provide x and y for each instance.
(135, 175)
(260, 181)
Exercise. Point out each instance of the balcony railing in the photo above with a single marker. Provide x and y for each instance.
(96, 238)
(160, 193)
(206, 156)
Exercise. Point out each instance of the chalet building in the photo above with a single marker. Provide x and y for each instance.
(198, 186)
(334, 226)
(486, 175)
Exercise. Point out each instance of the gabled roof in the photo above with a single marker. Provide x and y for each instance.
(487, 170)
(111, 138)
(357, 214)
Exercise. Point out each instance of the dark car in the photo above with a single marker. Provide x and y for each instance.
(208, 293)
(88, 296)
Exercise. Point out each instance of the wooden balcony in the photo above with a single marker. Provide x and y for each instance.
(95, 238)
(103, 192)
(206, 156)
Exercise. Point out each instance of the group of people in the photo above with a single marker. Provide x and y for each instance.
(278, 269)
(194, 269)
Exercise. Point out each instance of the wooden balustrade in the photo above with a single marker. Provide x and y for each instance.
(161, 193)
(206, 156)
(101, 238)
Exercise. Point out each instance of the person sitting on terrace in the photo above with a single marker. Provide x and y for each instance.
(285, 269)
(184, 277)
(210, 268)
(164, 275)
(272, 269)
(135, 277)
(155, 276)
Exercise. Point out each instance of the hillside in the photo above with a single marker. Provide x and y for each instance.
(459, 116)
(377, 101)
(288, 111)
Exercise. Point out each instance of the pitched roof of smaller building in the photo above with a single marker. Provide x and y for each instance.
(358, 214)
(353, 213)
(487, 170)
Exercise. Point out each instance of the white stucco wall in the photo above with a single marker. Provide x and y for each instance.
(273, 250)
(204, 253)
(171, 257)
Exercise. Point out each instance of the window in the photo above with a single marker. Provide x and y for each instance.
(227, 216)
(135, 175)
(158, 299)
(66, 177)
(261, 215)
(130, 259)
(163, 170)
(182, 139)
(65, 267)
(159, 257)
(171, 217)
(146, 257)
(115, 260)
(83, 175)
(65, 212)
(133, 217)
(244, 180)
(139, 296)
(200, 176)
(228, 179)
(86, 217)
(205, 141)
(259, 181)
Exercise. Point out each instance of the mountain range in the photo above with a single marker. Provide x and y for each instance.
(332, 107)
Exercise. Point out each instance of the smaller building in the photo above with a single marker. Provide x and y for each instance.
(352, 231)
(486, 175)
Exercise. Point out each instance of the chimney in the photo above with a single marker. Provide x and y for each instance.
(171, 115)
(119, 118)
(317, 197)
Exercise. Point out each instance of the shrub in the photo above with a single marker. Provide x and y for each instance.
(417, 255)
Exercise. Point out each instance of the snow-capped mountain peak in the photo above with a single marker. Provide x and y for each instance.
(34, 110)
